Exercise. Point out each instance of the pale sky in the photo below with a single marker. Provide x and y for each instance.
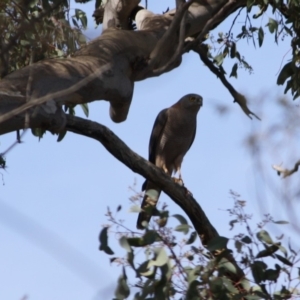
(53, 196)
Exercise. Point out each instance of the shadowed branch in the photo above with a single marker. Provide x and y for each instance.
(136, 163)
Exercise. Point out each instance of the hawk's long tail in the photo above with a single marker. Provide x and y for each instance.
(148, 206)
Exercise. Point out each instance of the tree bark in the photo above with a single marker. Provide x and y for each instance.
(112, 62)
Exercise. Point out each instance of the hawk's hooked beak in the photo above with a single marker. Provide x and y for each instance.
(200, 101)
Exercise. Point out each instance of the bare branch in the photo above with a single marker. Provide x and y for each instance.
(166, 44)
(285, 172)
(238, 98)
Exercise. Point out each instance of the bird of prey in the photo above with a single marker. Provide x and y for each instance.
(172, 135)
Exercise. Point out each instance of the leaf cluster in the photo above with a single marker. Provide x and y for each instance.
(37, 29)
(167, 266)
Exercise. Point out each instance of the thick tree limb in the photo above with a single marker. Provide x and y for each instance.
(116, 13)
(137, 164)
(285, 172)
(238, 98)
(121, 57)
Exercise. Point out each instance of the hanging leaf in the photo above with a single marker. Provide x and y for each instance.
(273, 25)
(192, 238)
(260, 36)
(233, 74)
(122, 291)
(286, 72)
(61, 135)
(125, 244)
(183, 228)
(284, 260)
(180, 218)
(85, 109)
(258, 268)
(217, 243)
(160, 260)
(103, 239)
(264, 236)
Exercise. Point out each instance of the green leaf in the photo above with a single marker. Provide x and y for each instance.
(81, 15)
(272, 275)
(61, 135)
(281, 222)
(226, 266)
(98, 3)
(153, 194)
(192, 292)
(229, 286)
(233, 50)
(233, 74)
(288, 30)
(261, 11)
(192, 238)
(135, 209)
(122, 291)
(108, 250)
(238, 245)
(246, 239)
(85, 109)
(25, 43)
(284, 260)
(260, 36)
(125, 244)
(273, 25)
(286, 72)
(250, 3)
(264, 236)
(217, 243)
(237, 55)
(161, 258)
(183, 228)
(180, 218)
(218, 59)
(103, 239)
(148, 238)
(258, 268)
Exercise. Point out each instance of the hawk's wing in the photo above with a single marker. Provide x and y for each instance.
(193, 138)
(157, 131)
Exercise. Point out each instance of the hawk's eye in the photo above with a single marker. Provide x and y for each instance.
(192, 98)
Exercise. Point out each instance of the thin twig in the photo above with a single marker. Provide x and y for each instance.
(286, 172)
(238, 98)
(234, 20)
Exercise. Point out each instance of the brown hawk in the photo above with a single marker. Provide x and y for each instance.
(172, 135)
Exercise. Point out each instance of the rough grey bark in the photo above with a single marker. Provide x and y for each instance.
(112, 62)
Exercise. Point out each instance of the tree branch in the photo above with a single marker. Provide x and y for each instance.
(238, 98)
(136, 163)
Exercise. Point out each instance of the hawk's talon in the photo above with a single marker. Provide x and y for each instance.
(178, 181)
